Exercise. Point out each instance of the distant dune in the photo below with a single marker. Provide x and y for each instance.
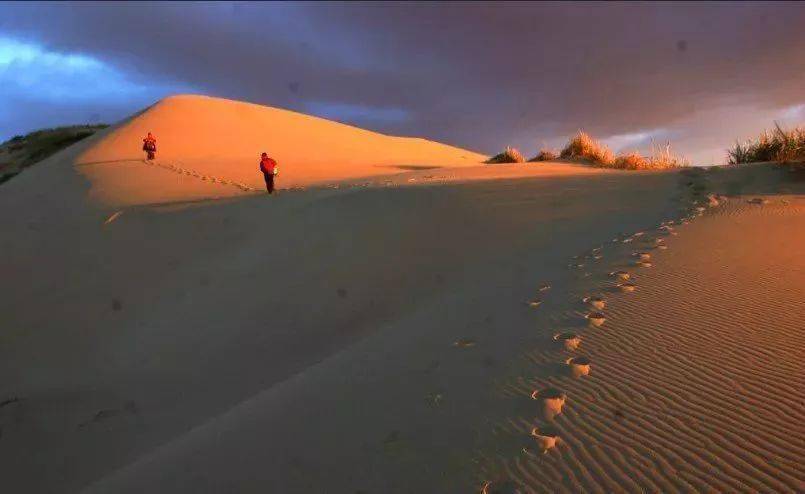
(219, 141)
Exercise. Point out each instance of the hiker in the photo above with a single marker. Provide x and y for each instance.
(150, 145)
(269, 168)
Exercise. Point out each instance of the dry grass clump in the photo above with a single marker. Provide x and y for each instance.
(509, 155)
(778, 145)
(661, 158)
(630, 161)
(583, 147)
(545, 155)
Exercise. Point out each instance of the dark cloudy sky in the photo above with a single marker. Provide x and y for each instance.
(476, 75)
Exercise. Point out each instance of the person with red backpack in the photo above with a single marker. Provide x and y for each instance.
(269, 168)
(150, 146)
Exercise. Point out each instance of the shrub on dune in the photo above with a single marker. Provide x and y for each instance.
(631, 161)
(544, 155)
(779, 145)
(583, 147)
(509, 155)
(660, 159)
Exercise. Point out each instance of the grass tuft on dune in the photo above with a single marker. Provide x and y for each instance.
(544, 155)
(661, 158)
(509, 155)
(583, 147)
(779, 145)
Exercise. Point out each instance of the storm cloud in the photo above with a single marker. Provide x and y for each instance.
(475, 75)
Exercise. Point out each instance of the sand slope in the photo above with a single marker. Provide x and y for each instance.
(208, 140)
(695, 382)
(121, 336)
(380, 340)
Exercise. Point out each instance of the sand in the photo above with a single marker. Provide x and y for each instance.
(376, 339)
(210, 147)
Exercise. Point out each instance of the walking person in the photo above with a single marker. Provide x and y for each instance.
(150, 146)
(269, 168)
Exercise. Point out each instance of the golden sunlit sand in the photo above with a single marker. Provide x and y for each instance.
(168, 327)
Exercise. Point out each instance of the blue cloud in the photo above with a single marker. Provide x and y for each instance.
(42, 88)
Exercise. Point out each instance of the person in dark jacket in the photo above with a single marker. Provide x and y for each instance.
(150, 145)
(269, 168)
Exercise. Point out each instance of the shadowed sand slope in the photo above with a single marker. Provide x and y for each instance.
(219, 141)
(691, 383)
(122, 333)
(411, 339)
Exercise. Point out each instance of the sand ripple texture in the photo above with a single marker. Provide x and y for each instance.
(699, 384)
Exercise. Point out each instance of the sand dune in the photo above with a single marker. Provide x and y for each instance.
(211, 147)
(376, 339)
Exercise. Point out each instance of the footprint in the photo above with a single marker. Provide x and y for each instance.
(571, 341)
(627, 287)
(535, 302)
(643, 264)
(758, 200)
(621, 275)
(129, 407)
(9, 401)
(596, 318)
(545, 287)
(552, 401)
(502, 487)
(596, 302)
(579, 366)
(643, 256)
(545, 440)
(464, 343)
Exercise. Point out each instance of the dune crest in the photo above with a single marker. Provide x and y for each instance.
(220, 140)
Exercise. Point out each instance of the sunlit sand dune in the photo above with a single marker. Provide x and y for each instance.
(212, 146)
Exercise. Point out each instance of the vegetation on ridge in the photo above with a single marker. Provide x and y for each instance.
(20, 151)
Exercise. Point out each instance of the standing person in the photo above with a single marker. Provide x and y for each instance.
(269, 168)
(150, 145)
